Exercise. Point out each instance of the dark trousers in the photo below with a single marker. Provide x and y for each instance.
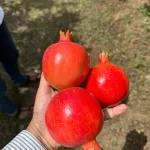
(9, 61)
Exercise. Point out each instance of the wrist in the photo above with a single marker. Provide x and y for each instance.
(24, 141)
(32, 130)
(36, 132)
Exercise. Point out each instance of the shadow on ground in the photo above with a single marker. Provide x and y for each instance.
(135, 140)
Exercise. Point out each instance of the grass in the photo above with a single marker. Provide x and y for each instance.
(145, 10)
(116, 26)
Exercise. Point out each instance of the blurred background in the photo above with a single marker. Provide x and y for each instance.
(121, 27)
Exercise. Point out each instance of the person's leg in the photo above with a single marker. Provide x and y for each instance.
(6, 105)
(10, 109)
(9, 55)
(8, 58)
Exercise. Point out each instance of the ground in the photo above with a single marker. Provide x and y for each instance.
(121, 27)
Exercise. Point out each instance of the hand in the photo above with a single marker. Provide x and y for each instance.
(38, 128)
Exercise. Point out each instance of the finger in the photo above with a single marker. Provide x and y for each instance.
(115, 111)
(44, 86)
(43, 96)
(45, 91)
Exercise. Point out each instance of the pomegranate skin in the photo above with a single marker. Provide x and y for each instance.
(107, 82)
(65, 64)
(74, 117)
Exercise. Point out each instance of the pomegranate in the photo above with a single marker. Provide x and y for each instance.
(107, 82)
(65, 64)
(74, 117)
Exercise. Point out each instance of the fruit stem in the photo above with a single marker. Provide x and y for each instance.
(65, 37)
(103, 58)
(92, 145)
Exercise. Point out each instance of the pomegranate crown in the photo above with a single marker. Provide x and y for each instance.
(65, 37)
(103, 57)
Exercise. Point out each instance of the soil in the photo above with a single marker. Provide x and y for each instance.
(121, 27)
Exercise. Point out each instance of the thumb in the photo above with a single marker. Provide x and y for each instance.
(115, 111)
(44, 87)
(43, 96)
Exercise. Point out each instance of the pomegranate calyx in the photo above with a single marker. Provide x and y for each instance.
(103, 57)
(91, 145)
(65, 37)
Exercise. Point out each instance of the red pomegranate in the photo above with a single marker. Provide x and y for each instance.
(65, 64)
(107, 82)
(74, 117)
